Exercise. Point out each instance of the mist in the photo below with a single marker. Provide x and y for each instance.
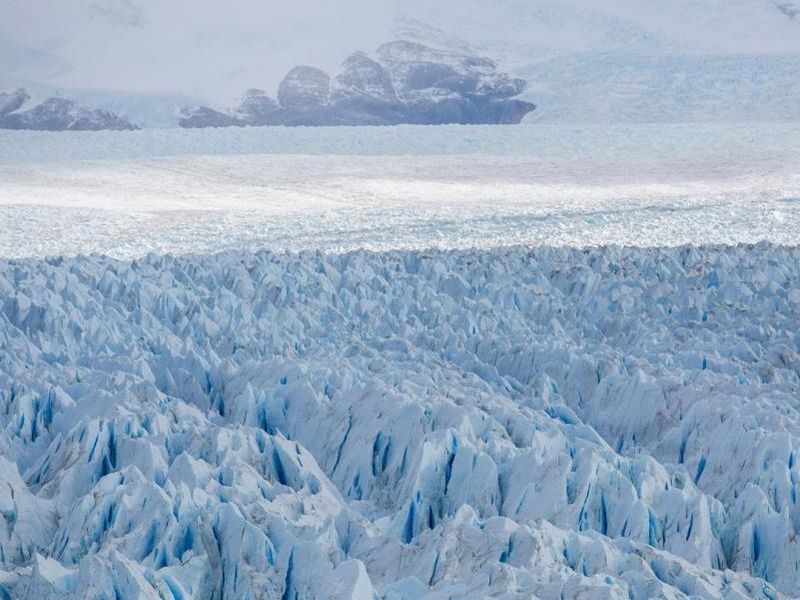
(215, 49)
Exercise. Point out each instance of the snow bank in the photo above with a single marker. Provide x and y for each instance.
(609, 423)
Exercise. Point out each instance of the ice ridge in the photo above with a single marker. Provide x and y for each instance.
(550, 422)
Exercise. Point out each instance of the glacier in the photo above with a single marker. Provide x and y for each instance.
(550, 422)
(406, 187)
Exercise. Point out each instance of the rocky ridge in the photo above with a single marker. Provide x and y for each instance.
(55, 114)
(408, 82)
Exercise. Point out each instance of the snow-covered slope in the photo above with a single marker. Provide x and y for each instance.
(724, 27)
(545, 423)
(620, 87)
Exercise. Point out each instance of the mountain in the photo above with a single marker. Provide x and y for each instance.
(410, 82)
(55, 114)
(584, 60)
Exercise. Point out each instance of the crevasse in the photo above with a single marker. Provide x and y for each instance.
(513, 423)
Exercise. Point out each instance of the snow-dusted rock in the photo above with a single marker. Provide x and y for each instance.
(55, 114)
(363, 92)
(11, 101)
(605, 423)
(203, 116)
(257, 108)
(409, 82)
(364, 76)
(305, 88)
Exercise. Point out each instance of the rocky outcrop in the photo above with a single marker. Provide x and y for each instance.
(11, 101)
(305, 88)
(257, 107)
(364, 77)
(203, 116)
(409, 82)
(365, 93)
(305, 98)
(56, 114)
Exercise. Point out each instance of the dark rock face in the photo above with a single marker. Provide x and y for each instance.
(203, 116)
(305, 88)
(448, 87)
(364, 93)
(363, 76)
(56, 114)
(408, 83)
(257, 107)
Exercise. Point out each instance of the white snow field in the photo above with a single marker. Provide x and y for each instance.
(522, 362)
(343, 188)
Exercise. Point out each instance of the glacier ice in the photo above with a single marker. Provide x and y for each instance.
(549, 422)
(203, 190)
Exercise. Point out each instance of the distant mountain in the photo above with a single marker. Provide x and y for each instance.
(55, 114)
(409, 82)
(584, 61)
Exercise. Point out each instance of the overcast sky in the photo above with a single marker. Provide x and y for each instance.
(217, 48)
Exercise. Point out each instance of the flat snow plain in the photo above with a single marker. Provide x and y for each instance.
(401, 187)
(413, 418)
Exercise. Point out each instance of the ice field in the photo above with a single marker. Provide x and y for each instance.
(516, 423)
(125, 194)
(401, 363)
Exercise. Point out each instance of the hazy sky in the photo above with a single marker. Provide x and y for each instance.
(179, 44)
(217, 48)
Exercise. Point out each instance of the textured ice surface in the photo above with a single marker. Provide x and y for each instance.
(125, 194)
(554, 423)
